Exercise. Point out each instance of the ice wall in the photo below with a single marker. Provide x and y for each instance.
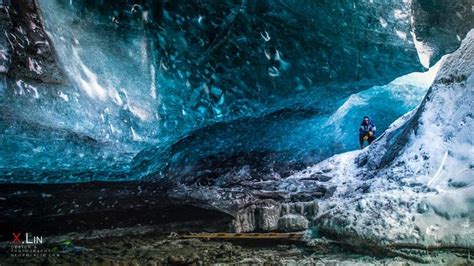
(199, 82)
(438, 26)
(415, 184)
(219, 72)
(287, 140)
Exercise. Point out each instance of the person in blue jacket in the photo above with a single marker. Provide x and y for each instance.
(366, 131)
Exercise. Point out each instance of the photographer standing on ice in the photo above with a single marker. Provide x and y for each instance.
(366, 131)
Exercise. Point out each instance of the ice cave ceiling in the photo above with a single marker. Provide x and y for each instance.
(108, 90)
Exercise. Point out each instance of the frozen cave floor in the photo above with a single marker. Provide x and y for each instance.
(164, 245)
(156, 246)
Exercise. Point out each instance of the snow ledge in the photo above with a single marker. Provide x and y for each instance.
(415, 184)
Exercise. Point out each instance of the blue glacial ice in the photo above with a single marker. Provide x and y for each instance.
(140, 99)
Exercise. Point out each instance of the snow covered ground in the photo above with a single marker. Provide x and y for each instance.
(415, 184)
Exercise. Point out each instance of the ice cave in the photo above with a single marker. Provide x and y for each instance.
(197, 132)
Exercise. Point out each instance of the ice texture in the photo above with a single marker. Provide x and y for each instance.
(203, 82)
(227, 101)
(415, 184)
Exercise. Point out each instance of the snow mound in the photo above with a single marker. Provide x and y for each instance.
(415, 184)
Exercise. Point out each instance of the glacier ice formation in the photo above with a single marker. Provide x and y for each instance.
(417, 179)
(234, 104)
(414, 185)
